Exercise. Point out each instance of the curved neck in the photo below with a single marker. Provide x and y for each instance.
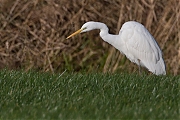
(104, 34)
(103, 28)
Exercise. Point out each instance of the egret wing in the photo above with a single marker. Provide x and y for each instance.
(139, 42)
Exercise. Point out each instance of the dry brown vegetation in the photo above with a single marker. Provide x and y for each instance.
(33, 32)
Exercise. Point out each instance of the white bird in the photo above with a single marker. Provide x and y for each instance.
(133, 40)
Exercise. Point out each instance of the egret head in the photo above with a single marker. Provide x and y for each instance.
(88, 26)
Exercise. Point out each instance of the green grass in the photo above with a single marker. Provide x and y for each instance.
(35, 95)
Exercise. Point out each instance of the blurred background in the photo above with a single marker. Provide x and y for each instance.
(33, 32)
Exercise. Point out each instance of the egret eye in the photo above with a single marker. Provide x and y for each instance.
(84, 28)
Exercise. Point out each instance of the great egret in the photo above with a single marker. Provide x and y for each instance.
(133, 40)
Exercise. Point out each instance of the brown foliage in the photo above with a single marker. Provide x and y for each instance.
(32, 33)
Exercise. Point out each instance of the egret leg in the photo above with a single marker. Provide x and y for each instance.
(139, 67)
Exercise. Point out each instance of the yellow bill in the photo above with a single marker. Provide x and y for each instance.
(77, 32)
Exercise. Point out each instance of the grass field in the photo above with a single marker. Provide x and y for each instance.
(35, 95)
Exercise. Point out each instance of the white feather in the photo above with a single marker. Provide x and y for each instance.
(133, 40)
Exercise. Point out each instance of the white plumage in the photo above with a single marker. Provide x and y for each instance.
(134, 41)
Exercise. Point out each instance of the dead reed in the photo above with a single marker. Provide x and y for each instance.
(32, 33)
